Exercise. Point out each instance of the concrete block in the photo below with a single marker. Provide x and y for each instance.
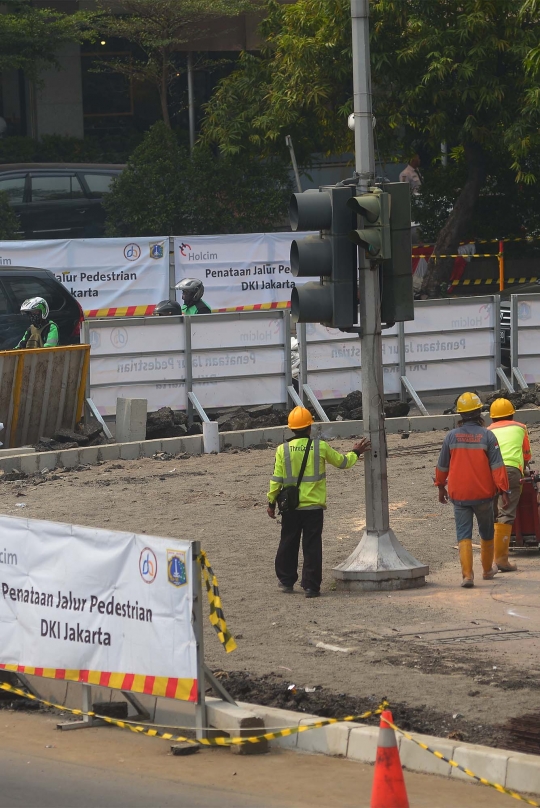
(20, 450)
(193, 444)
(234, 439)
(8, 464)
(274, 433)
(68, 458)
(176, 445)
(331, 740)
(150, 447)
(29, 463)
(252, 437)
(418, 760)
(109, 451)
(274, 718)
(394, 425)
(89, 455)
(527, 416)
(339, 429)
(523, 773)
(485, 762)
(47, 460)
(426, 423)
(130, 419)
(130, 451)
(363, 744)
(243, 723)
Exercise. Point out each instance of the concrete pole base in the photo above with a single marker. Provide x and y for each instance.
(380, 563)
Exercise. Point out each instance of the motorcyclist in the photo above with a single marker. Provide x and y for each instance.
(42, 333)
(192, 292)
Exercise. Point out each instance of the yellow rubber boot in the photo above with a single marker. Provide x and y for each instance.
(466, 558)
(486, 554)
(502, 544)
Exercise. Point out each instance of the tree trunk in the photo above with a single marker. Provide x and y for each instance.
(439, 271)
(163, 92)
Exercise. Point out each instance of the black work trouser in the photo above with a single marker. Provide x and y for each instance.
(307, 525)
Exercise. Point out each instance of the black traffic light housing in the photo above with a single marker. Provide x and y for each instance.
(330, 256)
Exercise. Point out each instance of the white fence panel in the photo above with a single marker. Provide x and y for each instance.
(525, 336)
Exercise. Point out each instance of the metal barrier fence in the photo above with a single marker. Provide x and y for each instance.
(42, 390)
(217, 360)
(451, 344)
(525, 338)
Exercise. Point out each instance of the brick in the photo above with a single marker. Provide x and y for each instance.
(363, 744)
(418, 760)
(130, 451)
(331, 740)
(68, 458)
(109, 451)
(29, 463)
(89, 455)
(47, 460)
(523, 773)
(273, 717)
(150, 447)
(483, 761)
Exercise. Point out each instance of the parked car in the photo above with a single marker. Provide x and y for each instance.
(17, 284)
(58, 200)
(529, 288)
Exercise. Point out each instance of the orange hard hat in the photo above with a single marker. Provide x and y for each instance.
(299, 418)
(501, 408)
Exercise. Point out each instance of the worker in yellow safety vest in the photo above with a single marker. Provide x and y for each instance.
(298, 486)
(515, 449)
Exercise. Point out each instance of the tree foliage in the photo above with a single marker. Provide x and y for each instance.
(464, 73)
(165, 191)
(158, 30)
(9, 223)
(31, 37)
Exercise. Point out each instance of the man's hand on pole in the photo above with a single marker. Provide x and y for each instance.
(443, 495)
(362, 446)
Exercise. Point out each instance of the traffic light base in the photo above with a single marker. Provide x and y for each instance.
(380, 563)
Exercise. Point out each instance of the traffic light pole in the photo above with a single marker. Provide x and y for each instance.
(379, 562)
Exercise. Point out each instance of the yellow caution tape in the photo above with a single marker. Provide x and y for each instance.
(491, 240)
(457, 255)
(487, 281)
(168, 736)
(217, 618)
(456, 765)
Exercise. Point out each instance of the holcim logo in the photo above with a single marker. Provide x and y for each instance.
(187, 252)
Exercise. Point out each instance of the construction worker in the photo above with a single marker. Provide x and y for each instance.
(306, 521)
(192, 292)
(42, 333)
(471, 462)
(515, 449)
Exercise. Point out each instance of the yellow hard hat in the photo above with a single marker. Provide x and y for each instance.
(299, 418)
(501, 407)
(468, 402)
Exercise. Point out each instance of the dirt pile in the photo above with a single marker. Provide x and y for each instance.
(84, 435)
(350, 409)
(524, 398)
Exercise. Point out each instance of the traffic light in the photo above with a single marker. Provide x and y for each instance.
(386, 238)
(330, 256)
(397, 300)
(374, 208)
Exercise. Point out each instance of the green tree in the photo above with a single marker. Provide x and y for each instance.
(165, 191)
(442, 71)
(158, 30)
(31, 36)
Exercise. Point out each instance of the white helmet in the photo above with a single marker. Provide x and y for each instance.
(192, 290)
(35, 305)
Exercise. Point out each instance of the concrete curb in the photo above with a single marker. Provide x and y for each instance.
(31, 462)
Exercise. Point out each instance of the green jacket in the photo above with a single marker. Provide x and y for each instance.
(198, 308)
(44, 337)
(313, 486)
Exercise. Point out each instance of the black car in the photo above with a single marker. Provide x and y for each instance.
(17, 284)
(58, 200)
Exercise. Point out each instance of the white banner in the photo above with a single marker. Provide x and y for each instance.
(97, 606)
(239, 272)
(103, 274)
(528, 336)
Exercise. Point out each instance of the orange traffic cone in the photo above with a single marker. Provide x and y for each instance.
(388, 783)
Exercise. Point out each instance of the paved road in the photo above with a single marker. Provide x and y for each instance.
(41, 767)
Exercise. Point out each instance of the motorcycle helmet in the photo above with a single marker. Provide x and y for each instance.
(192, 290)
